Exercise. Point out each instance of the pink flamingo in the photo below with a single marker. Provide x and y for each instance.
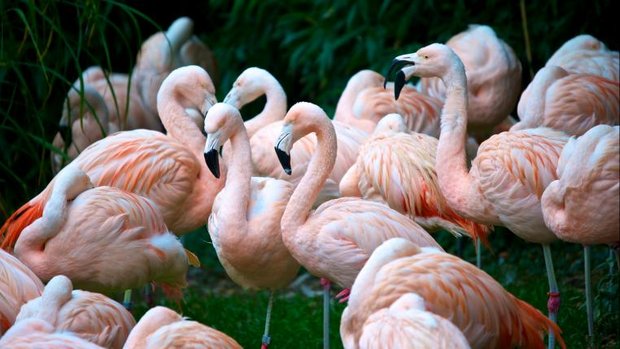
(572, 103)
(84, 232)
(397, 167)
(247, 212)
(18, 285)
(334, 241)
(407, 324)
(90, 316)
(487, 314)
(582, 205)
(510, 172)
(493, 78)
(127, 103)
(364, 102)
(263, 128)
(586, 54)
(36, 334)
(163, 328)
(168, 169)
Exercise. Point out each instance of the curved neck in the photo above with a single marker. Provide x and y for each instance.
(344, 108)
(236, 192)
(453, 175)
(534, 109)
(319, 168)
(274, 110)
(180, 126)
(148, 324)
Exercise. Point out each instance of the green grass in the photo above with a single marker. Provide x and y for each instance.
(297, 320)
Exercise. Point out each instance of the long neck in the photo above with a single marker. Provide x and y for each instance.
(534, 105)
(35, 236)
(319, 168)
(180, 126)
(453, 176)
(344, 108)
(236, 192)
(274, 110)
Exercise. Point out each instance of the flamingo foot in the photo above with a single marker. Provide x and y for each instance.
(343, 296)
(265, 342)
(553, 303)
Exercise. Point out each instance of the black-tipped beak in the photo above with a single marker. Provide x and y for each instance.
(399, 83)
(285, 160)
(65, 133)
(396, 64)
(213, 162)
(221, 151)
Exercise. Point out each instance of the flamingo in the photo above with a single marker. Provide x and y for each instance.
(508, 175)
(493, 78)
(246, 213)
(582, 206)
(397, 167)
(127, 103)
(334, 241)
(407, 324)
(104, 239)
(253, 83)
(572, 103)
(161, 327)
(90, 316)
(487, 314)
(586, 54)
(168, 169)
(364, 102)
(36, 334)
(18, 285)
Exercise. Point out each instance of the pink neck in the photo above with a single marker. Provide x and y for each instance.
(319, 168)
(236, 192)
(181, 127)
(274, 110)
(453, 176)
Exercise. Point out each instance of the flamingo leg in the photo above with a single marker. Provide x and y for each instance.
(589, 309)
(127, 300)
(266, 339)
(326, 287)
(553, 303)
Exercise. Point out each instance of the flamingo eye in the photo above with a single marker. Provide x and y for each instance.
(426, 57)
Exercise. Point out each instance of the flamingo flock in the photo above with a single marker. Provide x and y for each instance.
(353, 199)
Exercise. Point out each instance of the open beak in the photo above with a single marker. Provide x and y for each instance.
(403, 64)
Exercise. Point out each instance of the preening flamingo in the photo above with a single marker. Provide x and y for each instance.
(397, 167)
(364, 102)
(90, 316)
(37, 334)
(487, 314)
(493, 78)
(128, 103)
(510, 172)
(168, 169)
(572, 103)
(586, 54)
(18, 285)
(250, 85)
(334, 241)
(104, 239)
(406, 324)
(245, 222)
(582, 205)
(162, 328)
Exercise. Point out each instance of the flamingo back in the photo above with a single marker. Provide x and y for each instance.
(512, 170)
